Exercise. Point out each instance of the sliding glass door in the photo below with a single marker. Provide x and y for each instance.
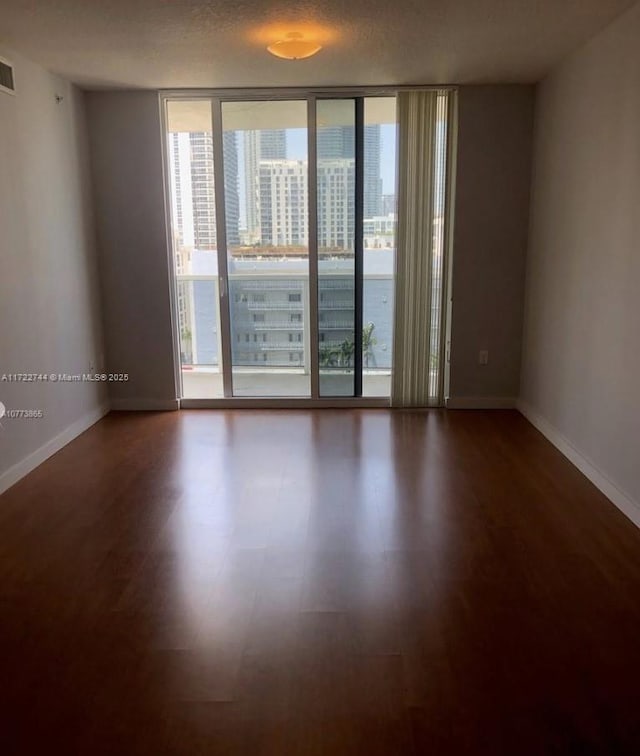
(265, 164)
(379, 244)
(283, 223)
(336, 212)
(194, 245)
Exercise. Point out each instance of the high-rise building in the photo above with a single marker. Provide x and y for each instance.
(193, 189)
(372, 180)
(336, 208)
(231, 193)
(265, 144)
(388, 204)
(283, 202)
(180, 170)
(336, 142)
(339, 142)
(276, 190)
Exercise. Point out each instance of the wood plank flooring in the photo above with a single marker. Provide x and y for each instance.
(316, 583)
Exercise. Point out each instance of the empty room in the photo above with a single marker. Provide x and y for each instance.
(319, 358)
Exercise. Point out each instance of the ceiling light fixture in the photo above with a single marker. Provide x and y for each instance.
(294, 47)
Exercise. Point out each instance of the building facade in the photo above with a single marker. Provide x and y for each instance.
(193, 189)
(338, 142)
(265, 144)
(268, 301)
(283, 203)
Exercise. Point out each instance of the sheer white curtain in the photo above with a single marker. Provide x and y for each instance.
(421, 266)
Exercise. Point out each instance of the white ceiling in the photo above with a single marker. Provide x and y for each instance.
(194, 43)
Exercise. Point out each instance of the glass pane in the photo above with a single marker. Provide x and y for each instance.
(193, 233)
(379, 244)
(266, 200)
(336, 226)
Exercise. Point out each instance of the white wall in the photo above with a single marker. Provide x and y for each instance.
(495, 131)
(49, 301)
(126, 162)
(581, 360)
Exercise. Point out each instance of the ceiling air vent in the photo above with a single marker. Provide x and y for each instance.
(7, 83)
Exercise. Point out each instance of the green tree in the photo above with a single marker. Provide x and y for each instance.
(368, 342)
(328, 357)
(342, 355)
(345, 353)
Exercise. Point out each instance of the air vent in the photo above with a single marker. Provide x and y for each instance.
(7, 83)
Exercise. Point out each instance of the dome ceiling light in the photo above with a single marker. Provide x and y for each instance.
(294, 46)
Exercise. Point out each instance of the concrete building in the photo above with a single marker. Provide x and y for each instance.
(193, 189)
(284, 203)
(336, 203)
(265, 144)
(270, 313)
(379, 231)
(339, 142)
(388, 204)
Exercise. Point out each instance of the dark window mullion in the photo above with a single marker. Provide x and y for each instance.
(358, 245)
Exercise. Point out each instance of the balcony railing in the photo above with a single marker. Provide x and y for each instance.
(279, 325)
(294, 306)
(336, 306)
(284, 284)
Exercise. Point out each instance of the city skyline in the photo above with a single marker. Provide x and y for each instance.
(266, 192)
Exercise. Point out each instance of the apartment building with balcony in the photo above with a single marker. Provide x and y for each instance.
(269, 309)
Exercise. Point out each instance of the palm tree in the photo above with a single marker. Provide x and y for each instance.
(328, 356)
(342, 355)
(345, 352)
(368, 342)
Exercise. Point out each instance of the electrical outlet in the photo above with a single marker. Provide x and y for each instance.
(483, 357)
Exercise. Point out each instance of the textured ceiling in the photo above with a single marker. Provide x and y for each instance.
(194, 43)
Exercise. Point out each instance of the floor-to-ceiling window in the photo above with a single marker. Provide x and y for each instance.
(267, 238)
(283, 230)
(379, 243)
(337, 240)
(194, 240)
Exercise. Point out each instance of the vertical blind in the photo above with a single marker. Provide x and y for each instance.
(421, 266)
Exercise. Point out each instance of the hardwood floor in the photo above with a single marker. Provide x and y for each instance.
(316, 582)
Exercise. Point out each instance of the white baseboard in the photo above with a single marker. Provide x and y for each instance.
(145, 405)
(481, 402)
(622, 500)
(30, 462)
